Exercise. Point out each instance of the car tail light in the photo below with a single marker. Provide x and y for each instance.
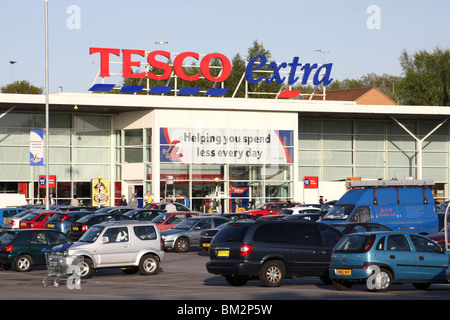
(13, 222)
(8, 248)
(160, 240)
(246, 249)
(84, 228)
(369, 243)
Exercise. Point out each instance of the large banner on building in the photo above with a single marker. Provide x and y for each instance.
(221, 146)
(37, 147)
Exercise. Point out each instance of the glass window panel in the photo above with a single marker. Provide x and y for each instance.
(134, 137)
(400, 173)
(438, 174)
(14, 154)
(307, 171)
(337, 158)
(89, 122)
(58, 137)
(15, 172)
(365, 142)
(434, 143)
(337, 126)
(308, 126)
(59, 155)
(277, 172)
(427, 127)
(370, 127)
(91, 171)
(211, 171)
(394, 128)
(308, 157)
(370, 172)
(148, 136)
(401, 158)
(91, 155)
(55, 120)
(370, 158)
(337, 141)
(92, 138)
(15, 137)
(61, 171)
(21, 120)
(173, 169)
(337, 173)
(308, 141)
(133, 155)
(434, 159)
(401, 143)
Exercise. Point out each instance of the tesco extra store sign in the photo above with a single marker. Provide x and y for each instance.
(256, 63)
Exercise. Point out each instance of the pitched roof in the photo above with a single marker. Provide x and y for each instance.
(360, 95)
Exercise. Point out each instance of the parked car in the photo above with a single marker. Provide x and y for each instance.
(143, 214)
(355, 227)
(186, 234)
(298, 210)
(168, 220)
(272, 250)
(162, 206)
(304, 216)
(14, 221)
(79, 227)
(36, 219)
(114, 210)
(380, 259)
(271, 208)
(61, 221)
(207, 235)
(130, 245)
(22, 248)
(9, 212)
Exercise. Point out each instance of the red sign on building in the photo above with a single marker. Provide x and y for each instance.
(311, 182)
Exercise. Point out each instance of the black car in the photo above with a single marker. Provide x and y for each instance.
(272, 250)
(143, 214)
(354, 227)
(79, 227)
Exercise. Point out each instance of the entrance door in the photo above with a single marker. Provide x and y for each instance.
(138, 191)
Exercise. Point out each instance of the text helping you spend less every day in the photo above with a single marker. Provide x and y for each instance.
(226, 140)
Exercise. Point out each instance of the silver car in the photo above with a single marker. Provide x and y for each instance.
(186, 234)
(130, 245)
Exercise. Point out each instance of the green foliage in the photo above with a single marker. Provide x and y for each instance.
(22, 87)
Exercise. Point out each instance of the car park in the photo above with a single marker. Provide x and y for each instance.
(143, 214)
(355, 227)
(79, 227)
(130, 245)
(36, 219)
(9, 212)
(298, 210)
(23, 248)
(271, 251)
(186, 234)
(271, 208)
(61, 221)
(380, 259)
(168, 220)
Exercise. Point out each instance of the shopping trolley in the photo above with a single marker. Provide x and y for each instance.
(62, 265)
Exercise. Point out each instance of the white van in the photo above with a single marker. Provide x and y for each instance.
(8, 200)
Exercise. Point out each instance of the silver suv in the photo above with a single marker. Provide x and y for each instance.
(130, 245)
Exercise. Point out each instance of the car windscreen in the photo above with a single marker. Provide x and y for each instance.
(232, 232)
(91, 234)
(339, 212)
(353, 244)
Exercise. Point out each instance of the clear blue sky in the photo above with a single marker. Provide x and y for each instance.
(288, 28)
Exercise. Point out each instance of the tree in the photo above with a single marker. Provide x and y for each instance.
(426, 78)
(22, 87)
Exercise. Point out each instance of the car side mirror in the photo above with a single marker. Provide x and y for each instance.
(105, 240)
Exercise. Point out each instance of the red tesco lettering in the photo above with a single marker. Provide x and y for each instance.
(128, 63)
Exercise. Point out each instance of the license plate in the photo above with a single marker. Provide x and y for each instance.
(50, 226)
(206, 245)
(223, 253)
(344, 272)
(75, 228)
(23, 224)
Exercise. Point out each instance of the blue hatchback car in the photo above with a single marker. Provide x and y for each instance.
(380, 259)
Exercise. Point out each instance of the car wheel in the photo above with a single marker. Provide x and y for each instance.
(235, 280)
(23, 263)
(149, 264)
(342, 285)
(381, 281)
(86, 268)
(182, 245)
(272, 273)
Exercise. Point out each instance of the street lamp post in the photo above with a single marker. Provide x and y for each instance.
(324, 52)
(12, 62)
(46, 107)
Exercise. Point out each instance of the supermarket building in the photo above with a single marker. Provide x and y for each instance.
(211, 151)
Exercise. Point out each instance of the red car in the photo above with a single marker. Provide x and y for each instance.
(36, 219)
(167, 220)
(271, 208)
(439, 237)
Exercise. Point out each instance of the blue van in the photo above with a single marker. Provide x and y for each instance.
(401, 205)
